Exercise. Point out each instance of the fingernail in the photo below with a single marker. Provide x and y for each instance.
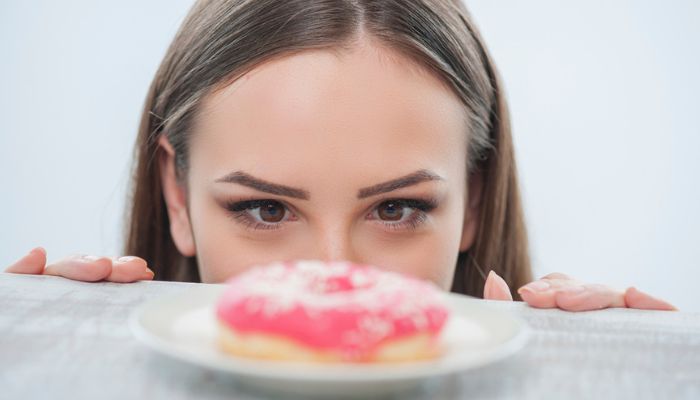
(125, 259)
(148, 275)
(90, 258)
(39, 249)
(537, 286)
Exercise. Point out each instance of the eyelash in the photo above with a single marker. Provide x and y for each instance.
(422, 207)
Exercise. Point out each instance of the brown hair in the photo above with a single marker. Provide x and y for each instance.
(222, 39)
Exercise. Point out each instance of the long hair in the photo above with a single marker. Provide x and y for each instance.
(221, 40)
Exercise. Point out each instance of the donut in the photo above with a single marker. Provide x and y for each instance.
(315, 311)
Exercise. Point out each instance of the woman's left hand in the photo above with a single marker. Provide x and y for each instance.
(561, 291)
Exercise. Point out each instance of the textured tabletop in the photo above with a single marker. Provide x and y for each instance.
(65, 339)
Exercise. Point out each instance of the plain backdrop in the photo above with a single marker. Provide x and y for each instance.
(603, 95)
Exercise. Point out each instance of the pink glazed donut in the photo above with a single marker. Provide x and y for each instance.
(330, 312)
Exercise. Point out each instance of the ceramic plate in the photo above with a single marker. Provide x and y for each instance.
(183, 326)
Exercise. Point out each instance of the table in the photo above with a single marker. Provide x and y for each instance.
(66, 339)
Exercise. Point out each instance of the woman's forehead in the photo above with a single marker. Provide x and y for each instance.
(318, 109)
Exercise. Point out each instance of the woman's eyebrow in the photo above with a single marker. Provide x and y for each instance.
(244, 179)
(411, 179)
(414, 178)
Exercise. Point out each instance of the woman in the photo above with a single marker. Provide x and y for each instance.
(373, 131)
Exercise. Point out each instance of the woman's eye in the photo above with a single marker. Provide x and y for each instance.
(392, 211)
(403, 214)
(271, 212)
(260, 214)
(399, 214)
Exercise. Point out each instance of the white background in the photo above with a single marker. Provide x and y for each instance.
(604, 101)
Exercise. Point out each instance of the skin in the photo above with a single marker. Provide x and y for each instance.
(327, 131)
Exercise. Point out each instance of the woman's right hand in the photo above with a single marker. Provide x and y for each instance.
(84, 268)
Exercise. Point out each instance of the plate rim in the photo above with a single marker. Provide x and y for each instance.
(353, 373)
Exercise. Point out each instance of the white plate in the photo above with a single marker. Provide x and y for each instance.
(183, 326)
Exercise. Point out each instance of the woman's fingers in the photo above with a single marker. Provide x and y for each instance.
(559, 291)
(637, 299)
(538, 294)
(496, 288)
(32, 263)
(81, 268)
(129, 269)
(588, 297)
(556, 275)
(84, 268)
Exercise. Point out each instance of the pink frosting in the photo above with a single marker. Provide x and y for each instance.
(336, 306)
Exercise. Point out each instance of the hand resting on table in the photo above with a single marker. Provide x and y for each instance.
(551, 291)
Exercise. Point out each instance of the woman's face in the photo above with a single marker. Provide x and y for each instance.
(356, 156)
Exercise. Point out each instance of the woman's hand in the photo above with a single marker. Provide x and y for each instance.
(561, 291)
(84, 268)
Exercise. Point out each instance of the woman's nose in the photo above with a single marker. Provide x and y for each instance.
(334, 245)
